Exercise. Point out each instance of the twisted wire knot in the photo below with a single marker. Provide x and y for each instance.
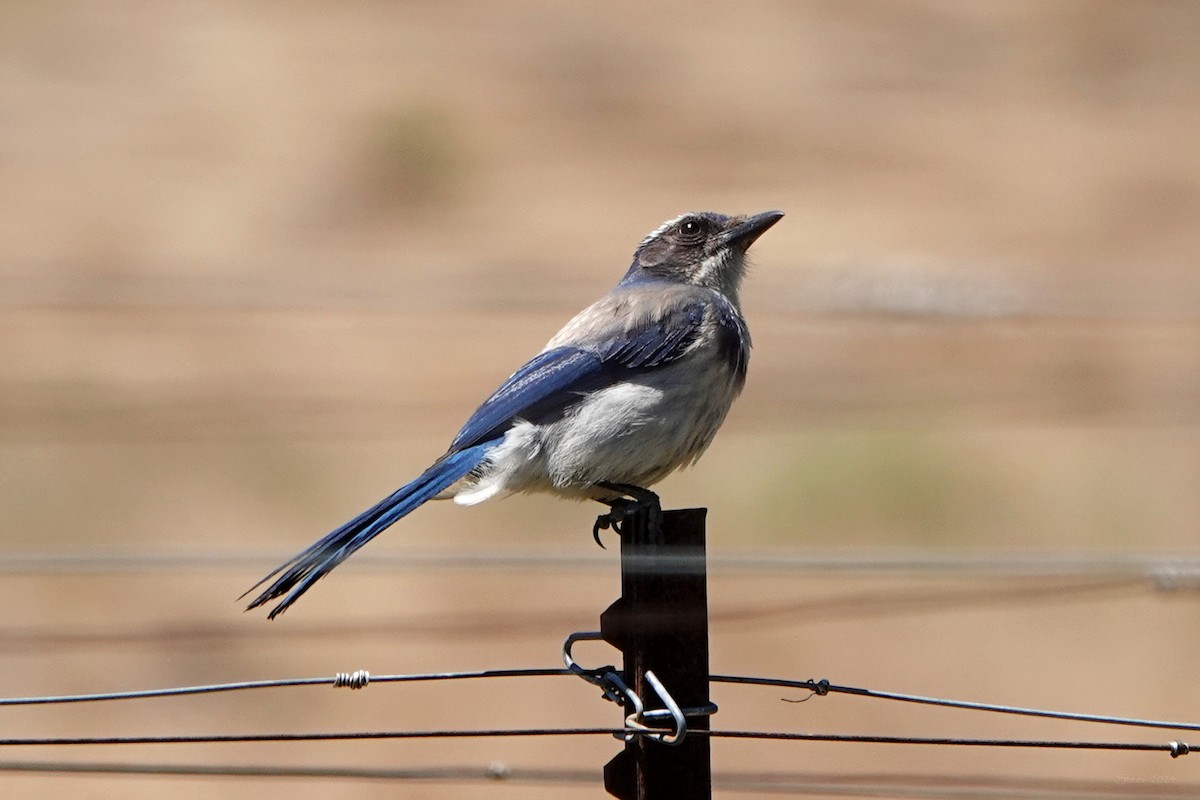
(352, 680)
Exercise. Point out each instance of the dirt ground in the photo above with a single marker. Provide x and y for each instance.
(260, 260)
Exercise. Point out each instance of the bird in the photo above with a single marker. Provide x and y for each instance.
(632, 388)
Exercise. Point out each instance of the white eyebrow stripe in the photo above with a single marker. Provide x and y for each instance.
(654, 234)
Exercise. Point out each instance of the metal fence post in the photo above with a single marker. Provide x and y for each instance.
(660, 623)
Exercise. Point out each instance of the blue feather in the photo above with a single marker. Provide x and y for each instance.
(658, 342)
(733, 339)
(550, 383)
(540, 391)
(315, 562)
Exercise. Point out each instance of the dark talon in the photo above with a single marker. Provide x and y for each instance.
(634, 499)
(620, 509)
(602, 523)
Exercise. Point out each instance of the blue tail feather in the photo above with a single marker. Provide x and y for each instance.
(316, 561)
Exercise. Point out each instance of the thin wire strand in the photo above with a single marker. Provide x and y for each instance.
(319, 736)
(1165, 567)
(1173, 748)
(851, 605)
(819, 687)
(844, 785)
(865, 298)
(822, 687)
(280, 683)
(464, 773)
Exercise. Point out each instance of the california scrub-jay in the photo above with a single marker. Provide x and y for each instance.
(632, 388)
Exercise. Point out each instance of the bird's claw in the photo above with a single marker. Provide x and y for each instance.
(622, 508)
(619, 511)
(603, 523)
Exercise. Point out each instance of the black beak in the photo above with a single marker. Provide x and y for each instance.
(745, 232)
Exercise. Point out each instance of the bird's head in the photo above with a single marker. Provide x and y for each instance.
(700, 248)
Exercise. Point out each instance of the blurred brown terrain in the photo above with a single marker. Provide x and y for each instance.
(258, 261)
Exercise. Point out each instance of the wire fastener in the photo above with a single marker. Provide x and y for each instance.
(352, 680)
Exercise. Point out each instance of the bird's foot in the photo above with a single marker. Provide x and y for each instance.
(618, 511)
(634, 499)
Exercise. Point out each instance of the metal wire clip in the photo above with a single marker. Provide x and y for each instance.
(638, 721)
(607, 678)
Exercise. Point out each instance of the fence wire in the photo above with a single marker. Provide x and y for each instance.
(867, 785)
(361, 679)
(1139, 572)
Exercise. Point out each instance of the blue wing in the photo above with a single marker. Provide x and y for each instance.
(552, 381)
(537, 390)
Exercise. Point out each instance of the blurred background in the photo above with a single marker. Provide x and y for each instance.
(259, 261)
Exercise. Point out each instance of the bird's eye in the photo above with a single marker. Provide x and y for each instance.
(691, 228)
